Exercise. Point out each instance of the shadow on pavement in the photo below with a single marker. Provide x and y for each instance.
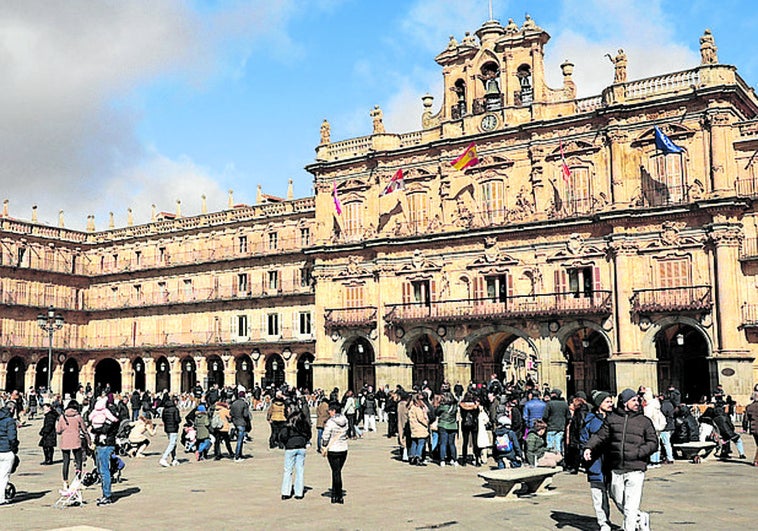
(573, 521)
(22, 496)
(126, 493)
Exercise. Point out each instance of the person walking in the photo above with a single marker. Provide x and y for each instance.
(221, 427)
(171, 423)
(369, 412)
(322, 415)
(751, 414)
(556, 415)
(47, 433)
(276, 417)
(447, 426)
(335, 439)
(8, 447)
(418, 419)
(629, 439)
(240, 413)
(71, 428)
(603, 403)
(295, 436)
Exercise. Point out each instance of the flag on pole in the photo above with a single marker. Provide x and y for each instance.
(665, 144)
(396, 183)
(565, 170)
(337, 204)
(468, 158)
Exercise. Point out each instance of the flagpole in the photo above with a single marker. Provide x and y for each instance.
(491, 10)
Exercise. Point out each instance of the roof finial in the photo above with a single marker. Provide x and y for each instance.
(204, 205)
(111, 221)
(178, 208)
(230, 202)
(290, 191)
(60, 218)
(34, 213)
(129, 217)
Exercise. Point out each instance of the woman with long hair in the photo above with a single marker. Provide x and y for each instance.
(71, 428)
(142, 429)
(334, 443)
(418, 419)
(295, 436)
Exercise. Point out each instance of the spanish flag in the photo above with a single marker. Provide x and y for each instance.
(468, 158)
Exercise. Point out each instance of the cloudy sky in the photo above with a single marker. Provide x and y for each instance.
(112, 104)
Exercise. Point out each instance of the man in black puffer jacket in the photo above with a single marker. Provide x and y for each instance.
(171, 421)
(626, 440)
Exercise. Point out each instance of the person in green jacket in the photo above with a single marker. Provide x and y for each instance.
(447, 428)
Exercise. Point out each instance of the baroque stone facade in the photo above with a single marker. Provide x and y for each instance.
(575, 252)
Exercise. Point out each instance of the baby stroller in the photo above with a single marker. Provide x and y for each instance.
(93, 476)
(123, 446)
(10, 488)
(71, 496)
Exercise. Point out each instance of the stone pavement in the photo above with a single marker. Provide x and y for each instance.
(382, 493)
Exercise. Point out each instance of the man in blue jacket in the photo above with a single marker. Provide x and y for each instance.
(603, 403)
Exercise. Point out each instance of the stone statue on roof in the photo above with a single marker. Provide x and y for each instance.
(325, 132)
(619, 75)
(708, 49)
(377, 116)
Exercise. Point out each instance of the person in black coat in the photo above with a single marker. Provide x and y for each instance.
(48, 437)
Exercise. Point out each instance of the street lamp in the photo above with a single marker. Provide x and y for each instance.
(50, 323)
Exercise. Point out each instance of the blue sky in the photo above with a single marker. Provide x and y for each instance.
(115, 104)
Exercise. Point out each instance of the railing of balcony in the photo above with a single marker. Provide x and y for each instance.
(749, 249)
(362, 316)
(208, 337)
(684, 298)
(663, 195)
(747, 187)
(598, 302)
(750, 315)
(190, 296)
(38, 300)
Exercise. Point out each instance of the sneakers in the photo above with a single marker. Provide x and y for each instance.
(104, 501)
(163, 462)
(238, 459)
(442, 463)
(455, 464)
(175, 462)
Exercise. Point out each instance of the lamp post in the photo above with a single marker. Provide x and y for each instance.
(50, 322)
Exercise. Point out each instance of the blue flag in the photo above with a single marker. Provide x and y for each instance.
(665, 144)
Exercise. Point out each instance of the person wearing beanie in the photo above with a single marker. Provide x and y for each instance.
(628, 439)
(202, 425)
(603, 404)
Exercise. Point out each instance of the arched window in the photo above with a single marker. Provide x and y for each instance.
(526, 93)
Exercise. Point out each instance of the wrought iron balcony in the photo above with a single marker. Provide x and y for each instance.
(750, 315)
(679, 299)
(363, 316)
(747, 187)
(549, 304)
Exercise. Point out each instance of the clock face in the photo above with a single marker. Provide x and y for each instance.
(489, 122)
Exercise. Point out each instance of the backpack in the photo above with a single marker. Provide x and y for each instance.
(216, 422)
(503, 443)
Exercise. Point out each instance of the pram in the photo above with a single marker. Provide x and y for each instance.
(93, 476)
(10, 488)
(123, 446)
(71, 496)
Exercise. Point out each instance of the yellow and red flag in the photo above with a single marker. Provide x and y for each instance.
(467, 159)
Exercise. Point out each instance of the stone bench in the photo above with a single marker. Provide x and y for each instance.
(532, 480)
(694, 450)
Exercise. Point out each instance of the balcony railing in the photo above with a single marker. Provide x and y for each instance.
(747, 187)
(363, 316)
(750, 315)
(749, 249)
(662, 195)
(550, 304)
(684, 298)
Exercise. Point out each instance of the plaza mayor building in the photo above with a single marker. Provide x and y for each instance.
(588, 243)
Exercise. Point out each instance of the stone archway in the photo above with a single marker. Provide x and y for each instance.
(305, 371)
(587, 352)
(189, 374)
(70, 377)
(504, 351)
(215, 371)
(426, 354)
(40, 372)
(15, 375)
(162, 374)
(683, 357)
(274, 371)
(244, 371)
(360, 359)
(108, 375)
(138, 366)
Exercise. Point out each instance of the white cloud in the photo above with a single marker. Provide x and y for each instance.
(649, 45)
(70, 71)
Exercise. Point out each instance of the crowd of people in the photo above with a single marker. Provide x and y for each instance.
(514, 424)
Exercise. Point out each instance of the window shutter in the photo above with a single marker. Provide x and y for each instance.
(235, 282)
(279, 276)
(432, 290)
(407, 292)
(510, 285)
(233, 325)
(479, 289)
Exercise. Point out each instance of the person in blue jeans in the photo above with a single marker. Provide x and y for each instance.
(171, 422)
(240, 413)
(295, 437)
(105, 443)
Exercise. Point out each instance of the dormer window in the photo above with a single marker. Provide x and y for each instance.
(526, 94)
